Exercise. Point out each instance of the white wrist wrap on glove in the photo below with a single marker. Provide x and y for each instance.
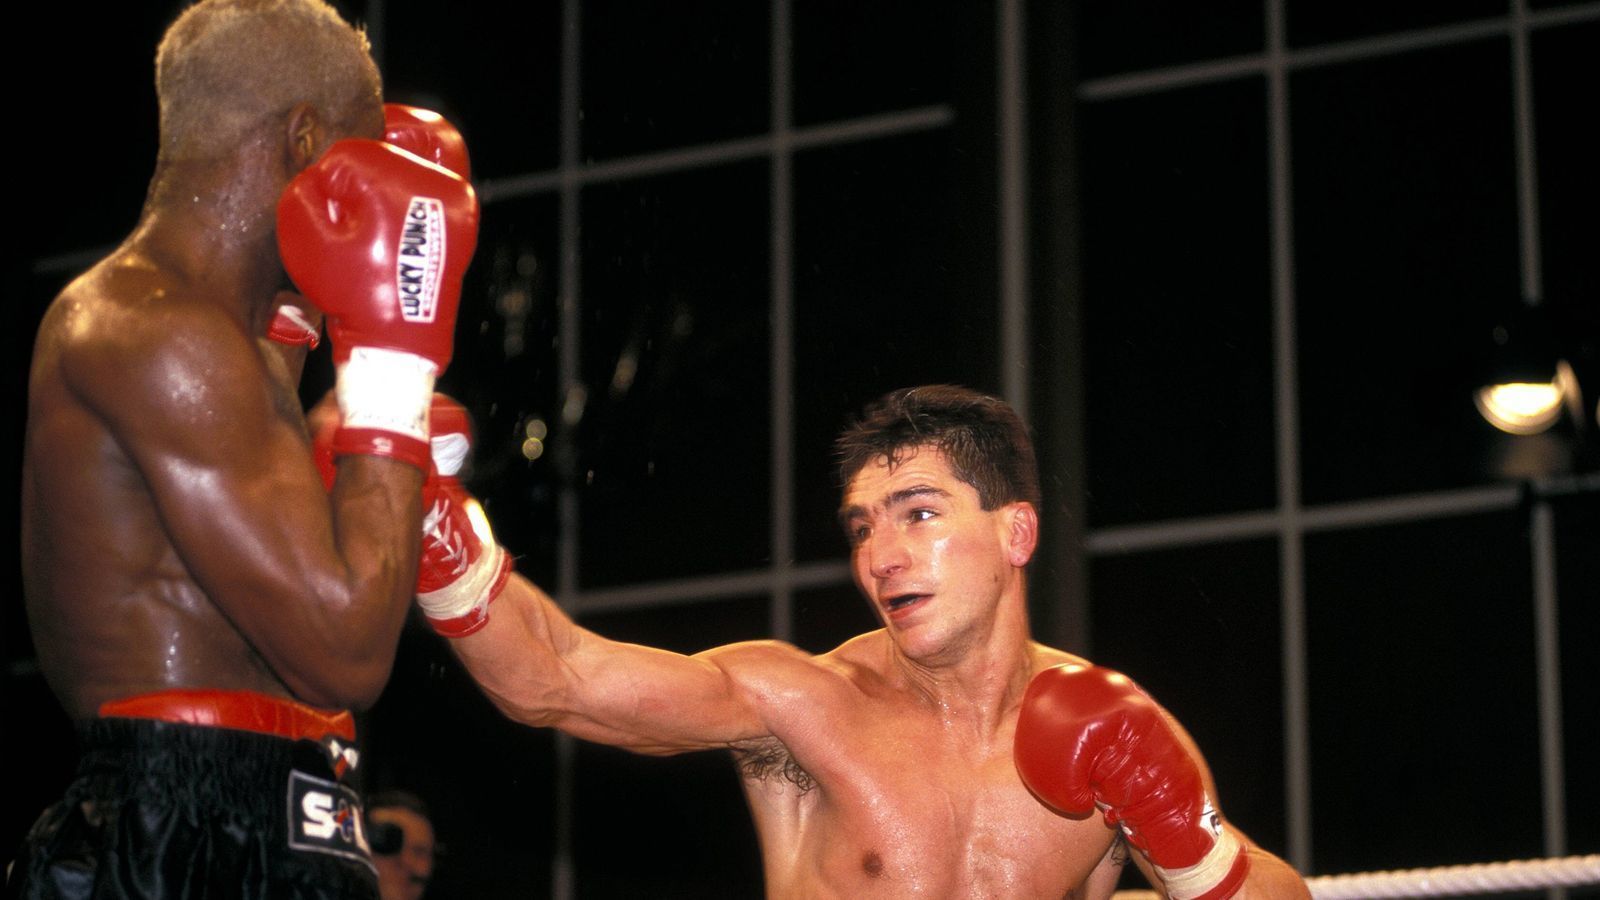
(462, 598)
(386, 390)
(462, 606)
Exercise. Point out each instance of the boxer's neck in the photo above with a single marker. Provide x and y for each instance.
(982, 683)
(211, 225)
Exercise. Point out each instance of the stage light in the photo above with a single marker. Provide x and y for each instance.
(1527, 385)
(1521, 407)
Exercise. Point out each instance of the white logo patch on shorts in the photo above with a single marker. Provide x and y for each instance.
(325, 817)
(420, 261)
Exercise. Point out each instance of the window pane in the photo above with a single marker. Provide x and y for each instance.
(656, 76)
(1178, 304)
(683, 819)
(894, 287)
(488, 781)
(1420, 637)
(1120, 36)
(1565, 71)
(854, 59)
(1577, 573)
(1405, 248)
(1199, 629)
(1323, 21)
(674, 457)
(505, 371)
(91, 126)
(499, 83)
(826, 617)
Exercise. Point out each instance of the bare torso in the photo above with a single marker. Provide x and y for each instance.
(113, 609)
(908, 802)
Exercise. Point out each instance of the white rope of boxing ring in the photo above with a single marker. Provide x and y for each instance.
(1448, 881)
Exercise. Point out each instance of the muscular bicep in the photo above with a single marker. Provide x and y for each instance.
(542, 669)
(229, 473)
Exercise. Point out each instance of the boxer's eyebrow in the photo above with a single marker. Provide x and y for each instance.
(894, 499)
(906, 495)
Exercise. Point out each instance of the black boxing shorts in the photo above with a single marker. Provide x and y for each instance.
(216, 794)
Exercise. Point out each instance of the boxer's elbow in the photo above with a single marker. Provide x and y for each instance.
(341, 679)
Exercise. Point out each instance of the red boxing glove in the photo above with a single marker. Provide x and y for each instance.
(428, 135)
(461, 569)
(1087, 737)
(379, 240)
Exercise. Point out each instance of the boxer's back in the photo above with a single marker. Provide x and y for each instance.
(112, 607)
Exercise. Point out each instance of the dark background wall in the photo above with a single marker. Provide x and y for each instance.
(1242, 282)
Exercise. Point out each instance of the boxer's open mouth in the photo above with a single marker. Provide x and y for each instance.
(903, 601)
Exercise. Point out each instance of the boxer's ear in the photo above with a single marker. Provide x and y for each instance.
(303, 136)
(1022, 532)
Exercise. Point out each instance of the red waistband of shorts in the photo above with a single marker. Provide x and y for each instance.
(240, 710)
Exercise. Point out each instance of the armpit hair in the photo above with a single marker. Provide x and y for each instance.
(767, 759)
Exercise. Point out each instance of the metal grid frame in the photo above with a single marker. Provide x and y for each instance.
(1289, 522)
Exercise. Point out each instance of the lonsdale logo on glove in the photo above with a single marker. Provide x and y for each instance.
(421, 259)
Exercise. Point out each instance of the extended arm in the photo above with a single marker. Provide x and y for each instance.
(542, 669)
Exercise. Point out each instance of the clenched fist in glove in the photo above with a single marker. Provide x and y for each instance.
(461, 568)
(1088, 738)
(379, 240)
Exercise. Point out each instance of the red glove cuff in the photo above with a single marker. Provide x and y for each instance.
(389, 444)
(290, 326)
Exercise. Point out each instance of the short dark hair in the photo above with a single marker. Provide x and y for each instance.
(982, 437)
(394, 798)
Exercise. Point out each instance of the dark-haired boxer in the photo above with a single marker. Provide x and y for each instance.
(199, 603)
(889, 766)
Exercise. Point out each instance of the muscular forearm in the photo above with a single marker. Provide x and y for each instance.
(541, 669)
(364, 599)
(516, 656)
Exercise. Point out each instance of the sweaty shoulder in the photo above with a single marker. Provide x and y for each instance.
(127, 333)
(803, 701)
(776, 674)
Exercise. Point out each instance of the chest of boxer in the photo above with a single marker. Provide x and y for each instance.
(906, 809)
